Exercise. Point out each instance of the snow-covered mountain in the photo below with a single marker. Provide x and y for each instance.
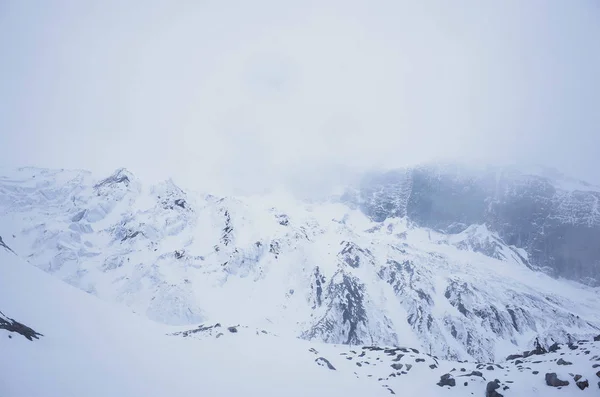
(332, 272)
(57, 340)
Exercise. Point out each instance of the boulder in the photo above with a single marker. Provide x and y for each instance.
(552, 380)
(446, 380)
(490, 389)
(563, 362)
(583, 384)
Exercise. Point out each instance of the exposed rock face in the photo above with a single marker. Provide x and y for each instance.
(555, 220)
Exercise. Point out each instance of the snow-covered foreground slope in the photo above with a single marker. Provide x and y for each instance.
(86, 347)
(318, 271)
(91, 348)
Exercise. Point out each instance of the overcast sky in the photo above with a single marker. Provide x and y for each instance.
(250, 94)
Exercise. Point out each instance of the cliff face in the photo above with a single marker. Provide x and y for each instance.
(555, 220)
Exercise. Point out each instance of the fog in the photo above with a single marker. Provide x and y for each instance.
(247, 96)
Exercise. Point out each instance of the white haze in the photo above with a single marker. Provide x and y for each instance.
(240, 96)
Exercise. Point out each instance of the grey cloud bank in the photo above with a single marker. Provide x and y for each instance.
(250, 95)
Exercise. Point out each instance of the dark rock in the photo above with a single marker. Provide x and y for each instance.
(576, 377)
(232, 329)
(462, 370)
(433, 366)
(474, 373)
(597, 338)
(490, 389)
(466, 383)
(408, 367)
(11, 325)
(598, 374)
(595, 365)
(446, 380)
(563, 362)
(583, 384)
(397, 367)
(517, 362)
(358, 364)
(554, 347)
(391, 391)
(513, 356)
(490, 368)
(324, 362)
(535, 372)
(398, 357)
(552, 380)
(420, 360)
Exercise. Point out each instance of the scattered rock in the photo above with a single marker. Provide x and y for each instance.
(420, 360)
(391, 391)
(595, 365)
(535, 372)
(324, 362)
(517, 362)
(490, 368)
(577, 377)
(466, 383)
(408, 367)
(433, 366)
(397, 367)
(233, 330)
(398, 357)
(446, 380)
(513, 356)
(563, 362)
(597, 338)
(552, 380)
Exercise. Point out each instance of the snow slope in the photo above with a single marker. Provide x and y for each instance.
(93, 348)
(318, 271)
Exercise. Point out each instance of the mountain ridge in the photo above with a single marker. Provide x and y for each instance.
(321, 271)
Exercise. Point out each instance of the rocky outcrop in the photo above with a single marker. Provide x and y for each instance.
(11, 325)
(555, 220)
